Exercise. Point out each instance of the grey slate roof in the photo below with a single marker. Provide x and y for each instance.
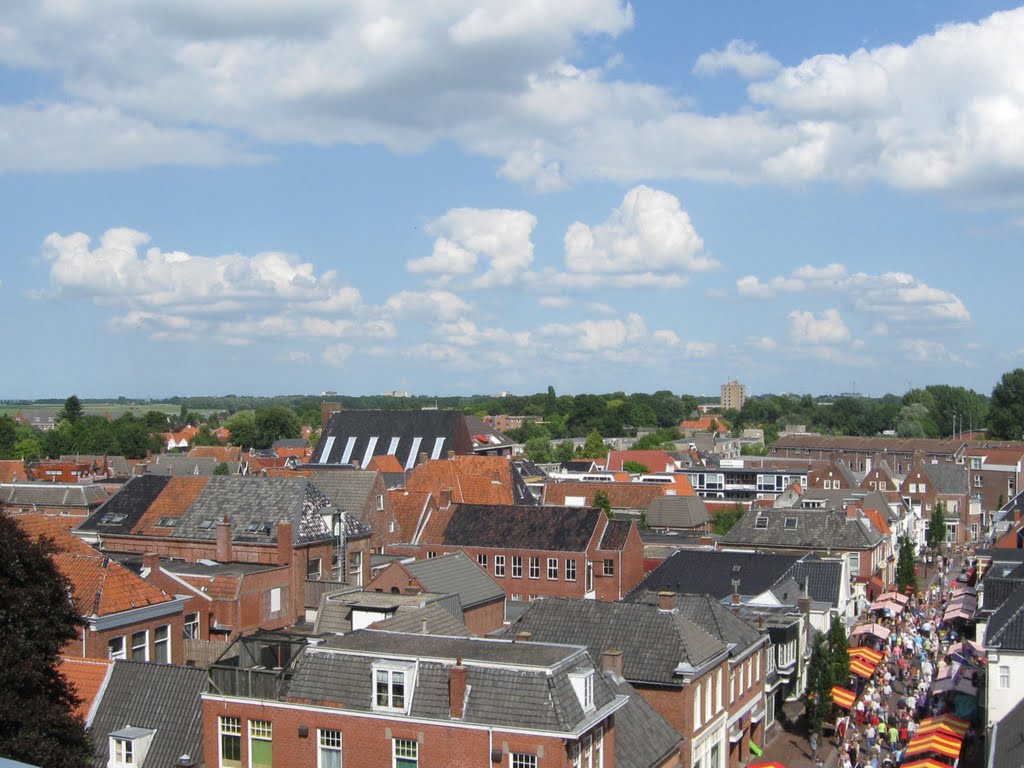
(248, 501)
(653, 643)
(132, 500)
(161, 697)
(690, 571)
(677, 512)
(553, 529)
(296, 442)
(615, 534)
(1006, 625)
(643, 738)
(823, 577)
(348, 488)
(997, 589)
(813, 529)
(41, 494)
(948, 477)
(715, 619)
(524, 685)
(456, 573)
(171, 465)
(431, 619)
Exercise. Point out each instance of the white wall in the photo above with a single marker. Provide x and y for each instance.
(1001, 700)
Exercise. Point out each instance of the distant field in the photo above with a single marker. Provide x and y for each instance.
(96, 409)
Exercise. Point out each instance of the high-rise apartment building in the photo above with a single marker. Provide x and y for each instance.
(734, 395)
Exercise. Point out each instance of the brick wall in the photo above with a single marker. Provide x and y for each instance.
(95, 644)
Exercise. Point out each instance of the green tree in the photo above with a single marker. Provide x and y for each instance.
(222, 469)
(937, 529)
(818, 698)
(906, 565)
(242, 426)
(839, 653)
(594, 447)
(37, 618)
(722, 520)
(30, 448)
(538, 449)
(275, 423)
(635, 468)
(915, 421)
(602, 502)
(1006, 408)
(72, 410)
(564, 451)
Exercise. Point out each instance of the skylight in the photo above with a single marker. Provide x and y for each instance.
(760, 521)
(789, 523)
(167, 522)
(205, 525)
(113, 518)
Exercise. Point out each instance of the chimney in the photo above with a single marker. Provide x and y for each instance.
(523, 636)
(457, 689)
(446, 497)
(423, 458)
(151, 560)
(761, 625)
(326, 409)
(451, 454)
(284, 543)
(666, 600)
(804, 601)
(611, 661)
(852, 511)
(224, 550)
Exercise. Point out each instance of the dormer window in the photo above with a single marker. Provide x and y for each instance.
(761, 522)
(789, 523)
(392, 686)
(128, 746)
(113, 518)
(583, 684)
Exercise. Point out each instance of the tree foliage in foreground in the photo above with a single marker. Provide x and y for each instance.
(818, 698)
(37, 618)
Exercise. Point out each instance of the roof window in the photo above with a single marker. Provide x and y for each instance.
(789, 523)
(761, 522)
(113, 518)
(167, 522)
(205, 525)
(259, 527)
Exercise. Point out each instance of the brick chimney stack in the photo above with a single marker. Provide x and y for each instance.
(523, 636)
(284, 543)
(446, 497)
(611, 661)
(151, 560)
(225, 553)
(852, 511)
(666, 600)
(457, 684)
(804, 601)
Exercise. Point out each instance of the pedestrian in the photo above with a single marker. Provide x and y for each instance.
(893, 738)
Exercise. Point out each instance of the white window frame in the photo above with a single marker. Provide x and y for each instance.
(192, 627)
(499, 566)
(228, 726)
(481, 560)
(552, 569)
(534, 567)
(123, 752)
(144, 646)
(329, 740)
(164, 642)
(697, 707)
(522, 760)
(1004, 677)
(608, 566)
(390, 669)
(517, 566)
(570, 569)
(261, 730)
(121, 654)
(275, 600)
(411, 747)
(583, 685)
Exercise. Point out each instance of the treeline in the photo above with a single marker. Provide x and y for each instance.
(128, 435)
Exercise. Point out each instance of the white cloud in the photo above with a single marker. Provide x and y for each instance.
(699, 349)
(336, 355)
(466, 333)
(739, 56)
(807, 328)
(295, 356)
(669, 338)
(927, 351)
(762, 343)
(442, 305)
(595, 335)
(648, 234)
(465, 234)
(554, 302)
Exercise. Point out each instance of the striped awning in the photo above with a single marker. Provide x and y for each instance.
(843, 697)
(882, 633)
(939, 743)
(955, 724)
(862, 667)
(927, 762)
(869, 655)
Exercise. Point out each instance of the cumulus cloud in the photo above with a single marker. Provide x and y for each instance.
(595, 335)
(762, 343)
(441, 305)
(336, 355)
(739, 56)
(503, 237)
(928, 351)
(808, 328)
(888, 298)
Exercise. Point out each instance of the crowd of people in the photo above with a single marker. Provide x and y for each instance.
(901, 692)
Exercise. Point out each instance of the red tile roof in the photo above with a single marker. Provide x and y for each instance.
(878, 520)
(407, 508)
(621, 495)
(655, 461)
(87, 678)
(219, 452)
(472, 479)
(173, 501)
(12, 471)
(386, 463)
(703, 424)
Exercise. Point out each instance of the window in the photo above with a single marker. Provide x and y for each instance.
(313, 568)
(275, 600)
(609, 567)
(231, 742)
(140, 646)
(517, 567)
(732, 687)
(380, 502)
(205, 525)
(330, 749)
(923, 488)
(431, 554)
(261, 744)
(516, 597)
(499, 565)
(583, 685)
(1004, 677)
(407, 753)
(570, 569)
(124, 752)
(534, 567)
(978, 482)
(913, 488)
(720, 690)
(192, 626)
(761, 522)
(789, 523)
(167, 522)
(853, 558)
(552, 568)
(390, 685)
(115, 648)
(975, 462)
(162, 644)
(707, 701)
(481, 560)
(522, 760)
(696, 707)
(881, 485)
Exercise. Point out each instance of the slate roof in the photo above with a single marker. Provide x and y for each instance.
(714, 618)
(523, 685)
(184, 466)
(296, 442)
(677, 512)
(554, 529)
(654, 643)
(456, 574)
(615, 535)
(823, 577)
(578, 465)
(132, 500)
(1006, 625)
(692, 571)
(868, 444)
(162, 697)
(349, 489)
(947, 476)
(173, 502)
(354, 436)
(643, 738)
(43, 494)
(997, 590)
(431, 619)
(813, 529)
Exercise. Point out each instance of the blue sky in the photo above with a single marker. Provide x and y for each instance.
(261, 197)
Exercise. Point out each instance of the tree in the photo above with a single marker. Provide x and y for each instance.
(37, 618)
(914, 421)
(635, 468)
(839, 653)
(1006, 408)
(906, 565)
(818, 698)
(538, 449)
(594, 448)
(937, 529)
(601, 501)
(564, 451)
(722, 520)
(275, 423)
(72, 410)
(242, 426)
(222, 469)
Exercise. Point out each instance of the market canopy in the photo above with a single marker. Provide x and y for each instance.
(968, 601)
(895, 597)
(963, 589)
(967, 650)
(957, 683)
(955, 613)
(939, 743)
(876, 630)
(928, 762)
(958, 726)
(886, 605)
(843, 697)
(862, 667)
(869, 655)
(936, 727)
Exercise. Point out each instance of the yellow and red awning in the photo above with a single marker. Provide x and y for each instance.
(927, 762)
(867, 654)
(955, 724)
(843, 697)
(862, 667)
(939, 743)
